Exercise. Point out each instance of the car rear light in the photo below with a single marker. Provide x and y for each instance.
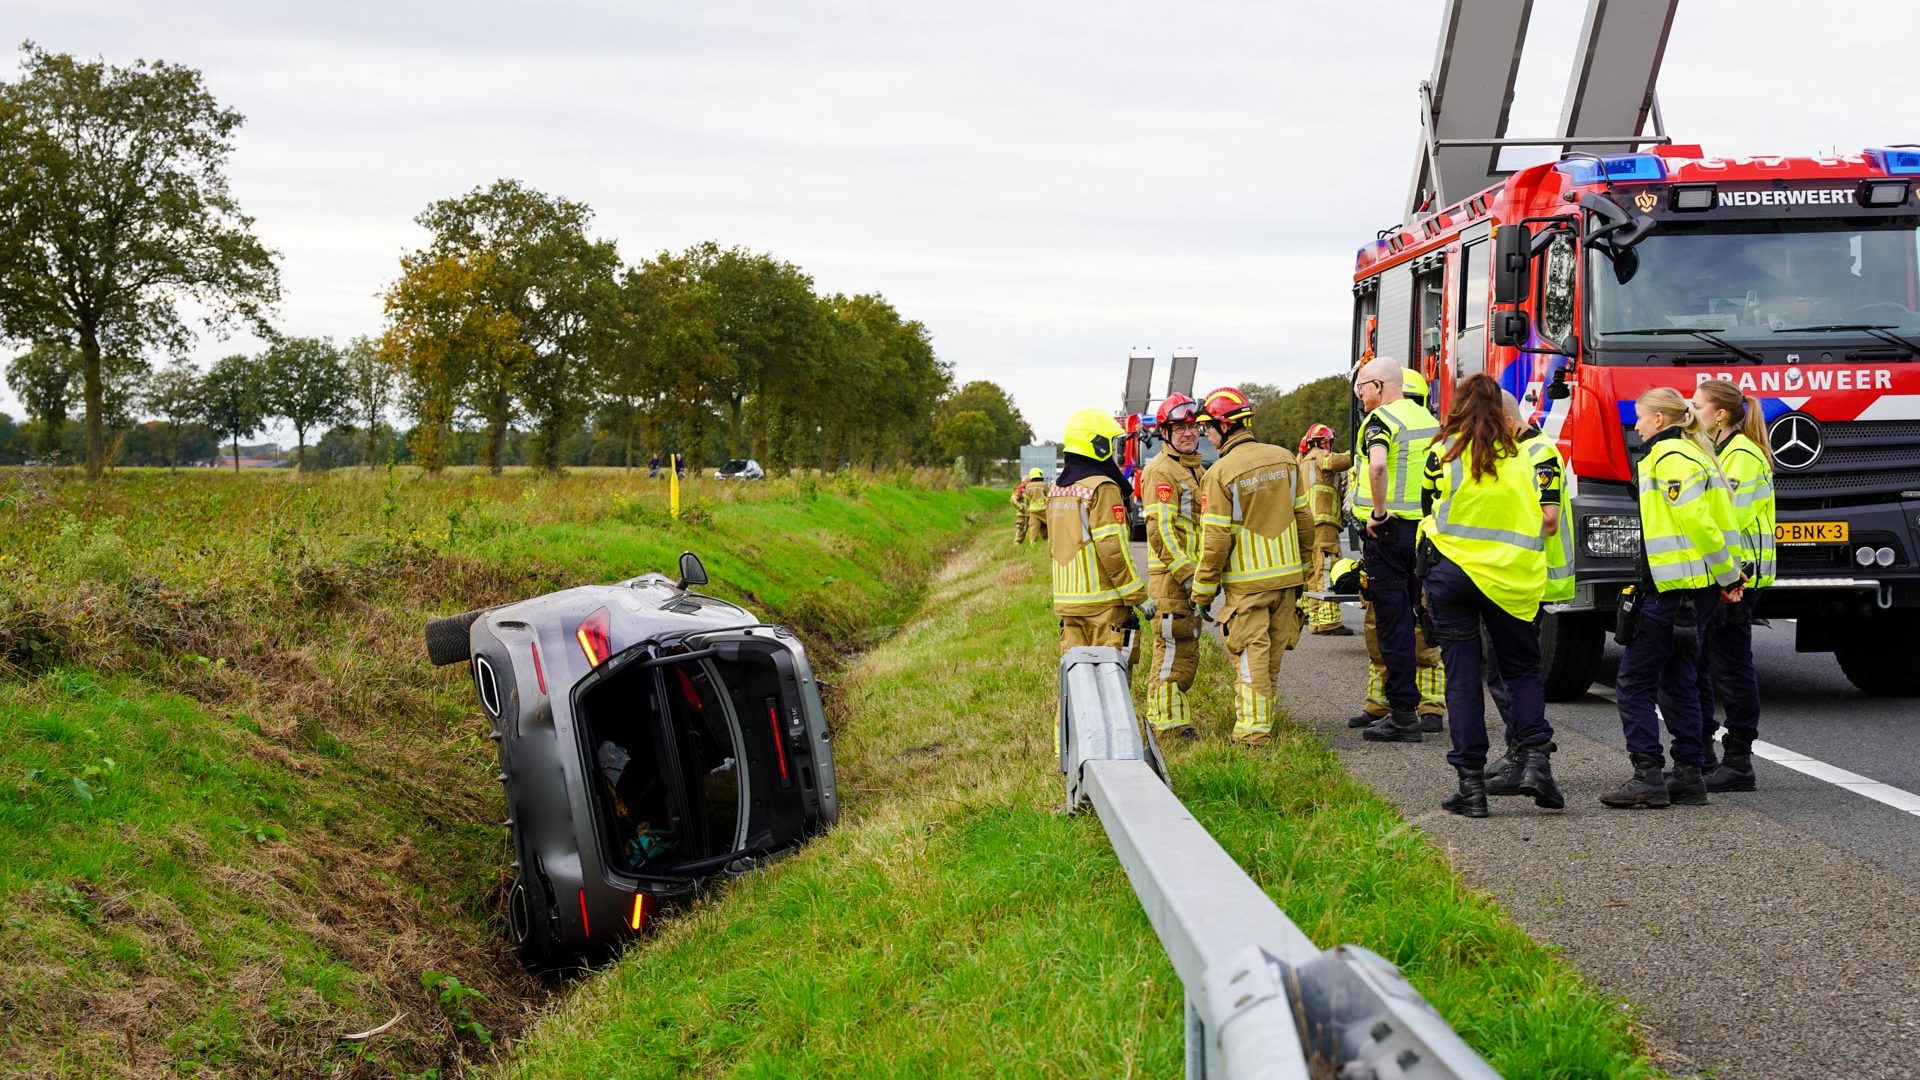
(593, 637)
(539, 673)
(779, 742)
(642, 907)
(585, 930)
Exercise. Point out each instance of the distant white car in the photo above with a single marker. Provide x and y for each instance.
(740, 469)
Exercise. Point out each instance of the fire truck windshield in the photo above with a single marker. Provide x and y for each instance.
(1761, 281)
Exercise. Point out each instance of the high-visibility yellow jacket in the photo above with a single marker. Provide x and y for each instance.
(1489, 526)
(1170, 487)
(1750, 482)
(1686, 515)
(1320, 471)
(1252, 517)
(1406, 430)
(1031, 496)
(1087, 535)
(1550, 473)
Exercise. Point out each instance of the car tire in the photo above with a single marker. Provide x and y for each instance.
(449, 640)
(1880, 664)
(1571, 646)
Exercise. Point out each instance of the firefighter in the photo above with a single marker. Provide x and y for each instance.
(1170, 488)
(1549, 473)
(1030, 503)
(1321, 470)
(1738, 430)
(1395, 436)
(1094, 580)
(1252, 518)
(1483, 549)
(1688, 570)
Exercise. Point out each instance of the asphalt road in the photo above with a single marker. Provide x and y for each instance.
(1769, 934)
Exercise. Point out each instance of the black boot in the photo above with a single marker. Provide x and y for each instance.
(1536, 777)
(1432, 721)
(1735, 771)
(1471, 800)
(1647, 789)
(1400, 727)
(1503, 776)
(1363, 719)
(1685, 785)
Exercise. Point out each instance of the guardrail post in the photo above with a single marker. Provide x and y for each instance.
(1261, 999)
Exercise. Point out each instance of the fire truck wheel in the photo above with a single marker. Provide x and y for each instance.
(1571, 645)
(1880, 664)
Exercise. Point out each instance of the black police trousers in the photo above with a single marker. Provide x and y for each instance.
(1460, 614)
(1390, 581)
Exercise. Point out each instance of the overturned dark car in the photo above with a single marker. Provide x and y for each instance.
(650, 738)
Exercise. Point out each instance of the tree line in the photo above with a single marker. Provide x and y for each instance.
(512, 335)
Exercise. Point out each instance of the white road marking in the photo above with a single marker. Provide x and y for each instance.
(1898, 798)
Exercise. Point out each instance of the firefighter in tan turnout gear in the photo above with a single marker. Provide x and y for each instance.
(1030, 504)
(1094, 580)
(1170, 487)
(1252, 518)
(1323, 472)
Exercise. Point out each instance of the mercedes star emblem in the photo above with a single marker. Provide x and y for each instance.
(1796, 440)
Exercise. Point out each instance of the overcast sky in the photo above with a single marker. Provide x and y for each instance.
(1043, 184)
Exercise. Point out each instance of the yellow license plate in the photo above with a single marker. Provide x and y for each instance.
(1810, 532)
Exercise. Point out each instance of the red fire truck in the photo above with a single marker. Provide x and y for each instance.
(1582, 282)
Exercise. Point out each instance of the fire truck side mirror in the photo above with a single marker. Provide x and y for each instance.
(1512, 264)
(1510, 328)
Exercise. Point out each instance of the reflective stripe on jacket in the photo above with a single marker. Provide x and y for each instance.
(1087, 535)
(1490, 526)
(1170, 486)
(1750, 485)
(1406, 430)
(1686, 515)
(1252, 517)
(1550, 474)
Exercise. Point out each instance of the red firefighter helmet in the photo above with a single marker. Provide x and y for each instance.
(1228, 405)
(1315, 434)
(1177, 409)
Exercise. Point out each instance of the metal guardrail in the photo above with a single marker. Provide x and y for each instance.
(1261, 999)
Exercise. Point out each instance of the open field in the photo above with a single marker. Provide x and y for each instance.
(956, 924)
(239, 814)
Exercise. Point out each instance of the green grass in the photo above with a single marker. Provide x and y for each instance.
(957, 924)
(240, 816)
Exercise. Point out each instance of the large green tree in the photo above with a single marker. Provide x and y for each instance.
(304, 382)
(369, 393)
(1011, 431)
(454, 347)
(556, 283)
(44, 378)
(232, 399)
(174, 396)
(115, 210)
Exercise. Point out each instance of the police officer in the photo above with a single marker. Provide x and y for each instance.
(1094, 580)
(1686, 516)
(1170, 489)
(1738, 430)
(1030, 503)
(1486, 571)
(1503, 776)
(1395, 437)
(1252, 518)
(1322, 470)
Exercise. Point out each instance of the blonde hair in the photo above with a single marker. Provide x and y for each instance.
(1667, 401)
(1743, 411)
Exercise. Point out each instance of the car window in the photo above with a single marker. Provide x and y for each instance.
(709, 760)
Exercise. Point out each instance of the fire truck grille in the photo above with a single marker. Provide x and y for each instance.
(1862, 461)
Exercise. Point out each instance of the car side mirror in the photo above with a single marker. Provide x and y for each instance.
(692, 570)
(1512, 259)
(1510, 328)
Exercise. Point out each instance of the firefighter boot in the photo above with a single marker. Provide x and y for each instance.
(1471, 800)
(1363, 719)
(1647, 789)
(1735, 771)
(1503, 776)
(1536, 777)
(1432, 721)
(1399, 727)
(1685, 785)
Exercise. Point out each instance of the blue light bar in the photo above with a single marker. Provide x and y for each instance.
(1895, 162)
(1629, 168)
